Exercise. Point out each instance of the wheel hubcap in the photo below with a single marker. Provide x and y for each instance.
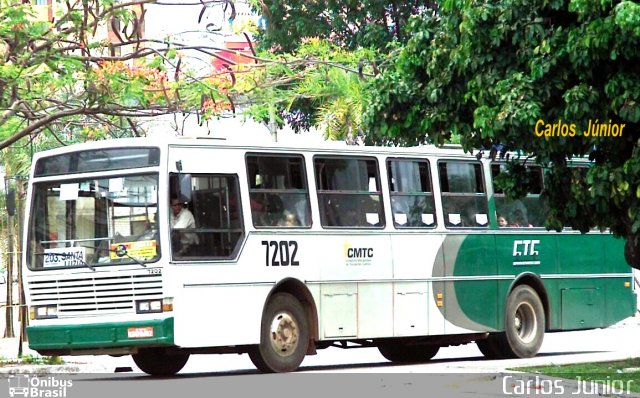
(525, 323)
(284, 334)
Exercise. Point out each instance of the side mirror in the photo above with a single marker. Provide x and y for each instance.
(184, 184)
(11, 202)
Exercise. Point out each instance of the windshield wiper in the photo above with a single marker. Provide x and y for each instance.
(120, 251)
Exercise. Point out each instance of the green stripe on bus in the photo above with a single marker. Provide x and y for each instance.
(575, 302)
(101, 335)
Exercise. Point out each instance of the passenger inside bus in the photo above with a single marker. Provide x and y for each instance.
(266, 209)
(288, 219)
(182, 242)
(519, 219)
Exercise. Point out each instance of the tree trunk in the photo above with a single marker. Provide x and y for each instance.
(8, 329)
(632, 250)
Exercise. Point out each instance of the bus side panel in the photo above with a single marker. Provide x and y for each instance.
(470, 286)
(362, 309)
(621, 301)
(414, 308)
(518, 253)
(581, 265)
(219, 315)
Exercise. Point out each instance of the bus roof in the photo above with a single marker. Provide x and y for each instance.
(256, 145)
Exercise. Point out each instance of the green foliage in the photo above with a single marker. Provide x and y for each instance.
(30, 359)
(65, 81)
(351, 25)
(625, 372)
(490, 70)
(320, 84)
(38, 360)
(293, 26)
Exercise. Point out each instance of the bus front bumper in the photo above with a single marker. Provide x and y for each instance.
(100, 338)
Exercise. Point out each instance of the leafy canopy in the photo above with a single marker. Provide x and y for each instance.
(490, 70)
(90, 72)
(349, 24)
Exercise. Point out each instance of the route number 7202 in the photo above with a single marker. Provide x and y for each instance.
(280, 253)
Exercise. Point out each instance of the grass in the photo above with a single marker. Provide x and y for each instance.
(627, 372)
(31, 360)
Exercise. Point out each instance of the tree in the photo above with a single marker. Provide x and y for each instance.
(349, 24)
(319, 85)
(90, 72)
(502, 73)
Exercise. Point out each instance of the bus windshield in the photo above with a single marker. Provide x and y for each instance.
(94, 222)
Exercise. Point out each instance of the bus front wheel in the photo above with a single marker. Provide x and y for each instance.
(156, 361)
(524, 323)
(408, 353)
(284, 336)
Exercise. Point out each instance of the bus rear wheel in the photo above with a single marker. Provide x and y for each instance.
(408, 353)
(524, 323)
(284, 336)
(156, 361)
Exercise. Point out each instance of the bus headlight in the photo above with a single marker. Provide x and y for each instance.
(167, 304)
(44, 312)
(148, 306)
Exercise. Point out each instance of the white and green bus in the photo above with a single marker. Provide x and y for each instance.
(292, 249)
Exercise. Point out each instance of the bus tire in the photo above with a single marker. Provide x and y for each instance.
(408, 353)
(284, 336)
(156, 361)
(524, 323)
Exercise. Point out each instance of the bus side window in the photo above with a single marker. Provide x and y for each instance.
(349, 192)
(464, 197)
(278, 191)
(528, 211)
(411, 193)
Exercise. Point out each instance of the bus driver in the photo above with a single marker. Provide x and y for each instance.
(182, 218)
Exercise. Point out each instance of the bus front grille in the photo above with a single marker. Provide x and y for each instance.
(97, 294)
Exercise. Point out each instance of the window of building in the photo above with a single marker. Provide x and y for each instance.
(529, 211)
(349, 193)
(464, 199)
(278, 191)
(411, 193)
(215, 228)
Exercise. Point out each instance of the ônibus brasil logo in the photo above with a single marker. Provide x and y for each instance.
(22, 385)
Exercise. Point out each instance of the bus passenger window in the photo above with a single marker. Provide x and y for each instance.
(411, 193)
(278, 191)
(349, 192)
(464, 200)
(528, 211)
